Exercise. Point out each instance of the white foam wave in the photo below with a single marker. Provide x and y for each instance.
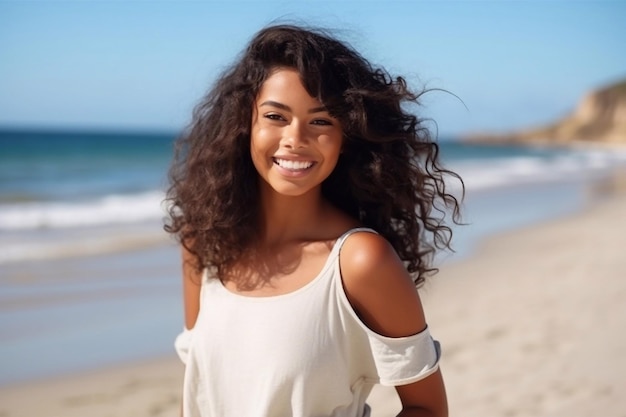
(112, 209)
(477, 174)
(493, 173)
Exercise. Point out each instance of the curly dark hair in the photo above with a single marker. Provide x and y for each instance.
(388, 176)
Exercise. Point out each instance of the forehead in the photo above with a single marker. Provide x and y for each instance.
(284, 82)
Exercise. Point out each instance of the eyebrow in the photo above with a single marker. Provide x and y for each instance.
(287, 108)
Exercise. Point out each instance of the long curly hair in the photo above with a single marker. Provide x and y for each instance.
(388, 176)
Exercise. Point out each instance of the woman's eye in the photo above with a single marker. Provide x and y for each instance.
(322, 122)
(273, 116)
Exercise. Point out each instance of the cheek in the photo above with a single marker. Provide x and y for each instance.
(260, 146)
(255, 152)
(332, 145)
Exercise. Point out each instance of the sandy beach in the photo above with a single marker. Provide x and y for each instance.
(532, 324)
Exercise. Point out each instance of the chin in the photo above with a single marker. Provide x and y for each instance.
(290, 190)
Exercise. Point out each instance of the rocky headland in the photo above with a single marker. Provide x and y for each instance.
(598, 119)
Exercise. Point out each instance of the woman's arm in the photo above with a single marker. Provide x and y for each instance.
(385, 298)
(192, 280)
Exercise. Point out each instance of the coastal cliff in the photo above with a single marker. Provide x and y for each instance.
(599, 118)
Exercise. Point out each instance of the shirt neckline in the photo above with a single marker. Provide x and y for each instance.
(332, 256)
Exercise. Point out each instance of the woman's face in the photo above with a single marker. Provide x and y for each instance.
(295, 143)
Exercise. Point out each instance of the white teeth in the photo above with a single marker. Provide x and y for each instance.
(293, 165)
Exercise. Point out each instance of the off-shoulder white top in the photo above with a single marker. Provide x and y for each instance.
(301, 354)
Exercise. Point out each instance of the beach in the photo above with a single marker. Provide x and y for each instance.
(528, 310)
(531, 324)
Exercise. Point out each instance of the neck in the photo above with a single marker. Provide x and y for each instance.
(286, 219)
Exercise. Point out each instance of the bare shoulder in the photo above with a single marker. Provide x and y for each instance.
(363, 251)
(379, 287)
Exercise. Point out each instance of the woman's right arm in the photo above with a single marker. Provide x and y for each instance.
(192, 281)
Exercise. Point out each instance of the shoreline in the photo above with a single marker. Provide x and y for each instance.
(531, 324)
(89, 311)
(93, 311)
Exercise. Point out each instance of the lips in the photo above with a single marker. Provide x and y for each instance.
(292, 165)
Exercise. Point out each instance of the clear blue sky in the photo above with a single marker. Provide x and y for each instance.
(144, 64)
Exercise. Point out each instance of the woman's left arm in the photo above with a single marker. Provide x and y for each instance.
(385, 298)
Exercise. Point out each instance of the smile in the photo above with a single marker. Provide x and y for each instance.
(293, 165)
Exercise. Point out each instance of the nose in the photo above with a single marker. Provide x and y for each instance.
(294, 135)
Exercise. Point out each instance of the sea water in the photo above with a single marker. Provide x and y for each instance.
(71, 299)
(59, 184)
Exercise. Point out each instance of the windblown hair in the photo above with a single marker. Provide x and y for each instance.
(388, 176)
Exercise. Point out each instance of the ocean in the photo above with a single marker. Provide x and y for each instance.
(71, 300)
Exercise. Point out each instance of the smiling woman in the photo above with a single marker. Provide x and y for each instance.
(303, 198)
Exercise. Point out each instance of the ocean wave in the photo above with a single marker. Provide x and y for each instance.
(478, 174)
(111, 209)
(38, 248)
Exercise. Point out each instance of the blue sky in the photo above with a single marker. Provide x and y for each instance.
(144, 64)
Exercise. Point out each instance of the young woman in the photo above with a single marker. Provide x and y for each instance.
(306, 200)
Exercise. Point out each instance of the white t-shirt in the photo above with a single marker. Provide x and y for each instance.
(301, 354)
